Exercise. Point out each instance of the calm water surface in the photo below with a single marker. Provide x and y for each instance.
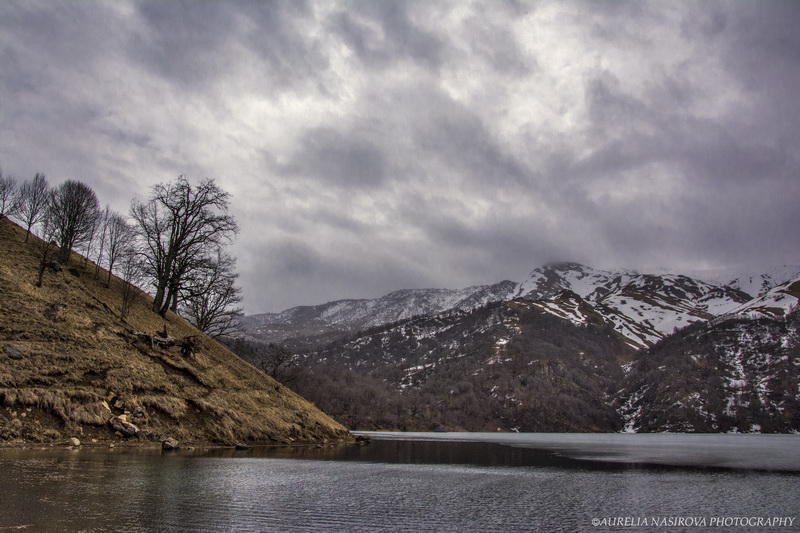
(408, 482)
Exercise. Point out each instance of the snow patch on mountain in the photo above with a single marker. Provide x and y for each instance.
(642, 307)
(568, 306)
(754, 283)
(777, 302)
(549, 280)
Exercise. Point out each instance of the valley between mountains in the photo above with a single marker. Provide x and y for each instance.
(570, 348)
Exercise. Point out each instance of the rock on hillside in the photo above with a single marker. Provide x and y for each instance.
(69, 366)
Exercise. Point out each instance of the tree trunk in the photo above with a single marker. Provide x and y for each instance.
(174, 305)
(158, 299)
(43, 264)
(167, 301)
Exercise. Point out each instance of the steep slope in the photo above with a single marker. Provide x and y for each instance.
(69, 366)
(739, 372)
(508, 365)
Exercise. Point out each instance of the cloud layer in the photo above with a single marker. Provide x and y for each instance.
(371, 146)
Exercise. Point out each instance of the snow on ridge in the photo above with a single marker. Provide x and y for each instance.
(548, 280)
(753, 282)
(777, 302)
(642, 307)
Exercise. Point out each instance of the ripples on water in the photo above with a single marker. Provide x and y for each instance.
(390, 485)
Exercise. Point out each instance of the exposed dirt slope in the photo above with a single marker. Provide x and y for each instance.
(69, 366)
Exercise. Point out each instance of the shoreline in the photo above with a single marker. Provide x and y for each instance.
(97, 444)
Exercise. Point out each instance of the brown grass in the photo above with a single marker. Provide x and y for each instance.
(79, 357)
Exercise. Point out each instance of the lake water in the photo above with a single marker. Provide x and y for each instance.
(416, 482)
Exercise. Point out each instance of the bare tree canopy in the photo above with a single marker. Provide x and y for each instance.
(178, 225)
(120, 238)
(132, 274)
(211, 296)
(8, 195)
(45, 245)
(32, 202)
(73, 209)
(101, 231)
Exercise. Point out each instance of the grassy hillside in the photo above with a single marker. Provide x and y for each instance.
(69, 366)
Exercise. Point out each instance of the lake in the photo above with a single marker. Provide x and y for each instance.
(416, 482)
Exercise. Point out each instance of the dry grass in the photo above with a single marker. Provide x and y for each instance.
(81, 364)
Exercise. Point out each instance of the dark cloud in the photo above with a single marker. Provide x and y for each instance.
(381, 34)
(197, 44)
(338, 159)
(371, 146)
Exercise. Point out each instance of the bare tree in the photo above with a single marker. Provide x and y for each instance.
(45, 246)
(178, 225)
(8, 195)
(73, 208)
(32, 202)
(211, 296)
(132, 271)
(280, 363)
(120, 238)
(102, 230)
(88, 244)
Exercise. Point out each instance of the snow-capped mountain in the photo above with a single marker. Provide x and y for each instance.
(571, 348)
(342, 316)
(754, 283)
(642, 307)
(585, 281)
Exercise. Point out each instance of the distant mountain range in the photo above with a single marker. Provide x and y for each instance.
(570, 348)
(644, 308)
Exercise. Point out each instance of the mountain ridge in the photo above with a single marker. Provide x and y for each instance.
(573, 349)
(643, 307)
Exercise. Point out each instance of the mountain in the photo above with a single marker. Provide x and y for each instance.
(70, 366)
(558, 365)
(507, 365)
(587, 282)
(754, 283)
(738, 372)
(776, 302)
(570, 348)
(644, 308)
(319, 323)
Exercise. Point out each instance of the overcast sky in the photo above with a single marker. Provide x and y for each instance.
(377, 145)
